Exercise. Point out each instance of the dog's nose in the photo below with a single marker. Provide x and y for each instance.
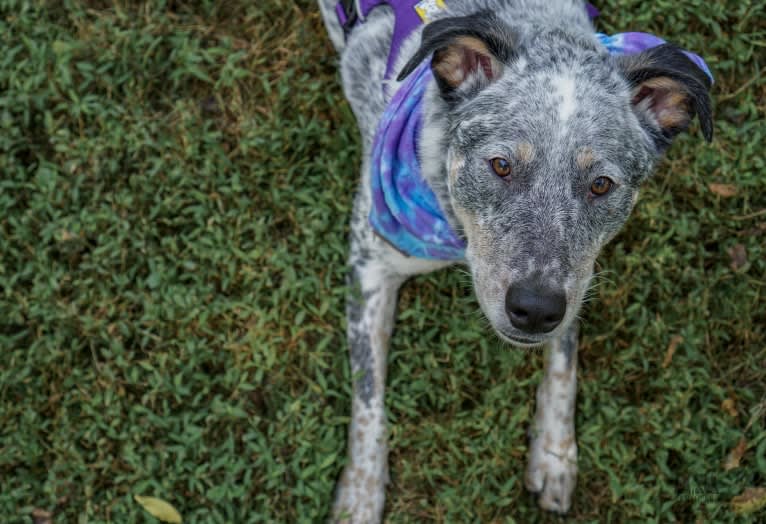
(534, 310)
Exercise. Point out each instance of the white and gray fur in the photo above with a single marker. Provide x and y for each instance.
(563, 111)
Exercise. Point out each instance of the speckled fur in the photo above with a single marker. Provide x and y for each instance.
(564, 112)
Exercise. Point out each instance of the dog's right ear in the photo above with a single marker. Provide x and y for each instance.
(669, 89)
(469, 52)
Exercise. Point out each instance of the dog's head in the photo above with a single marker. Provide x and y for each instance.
(544, 141)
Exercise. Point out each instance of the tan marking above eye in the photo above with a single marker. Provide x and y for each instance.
(525, 152)
(585, 158)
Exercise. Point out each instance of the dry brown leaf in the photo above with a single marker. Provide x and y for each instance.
(674, 341)
(735, 455)
(757, 230)
(723, 190)
(738, 255)
(66, 236)
(40, 516)
(729, 407)
(749, 501)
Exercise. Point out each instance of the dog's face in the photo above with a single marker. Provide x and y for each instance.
(547, 142)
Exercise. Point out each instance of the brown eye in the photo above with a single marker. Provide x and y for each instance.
(501, 166)
(601, 186)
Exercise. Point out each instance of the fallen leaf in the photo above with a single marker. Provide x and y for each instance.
(750, 501)
(159, 508)
(735, 455)
(729, 407)
(674, 341)
(40, 516)
(66, 236)
(738, 255)
(757, 230)
(723, 190)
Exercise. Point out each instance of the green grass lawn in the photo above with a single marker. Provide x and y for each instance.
(176, 184)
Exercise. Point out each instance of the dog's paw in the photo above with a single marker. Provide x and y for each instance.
(552, 474)
(359, 497)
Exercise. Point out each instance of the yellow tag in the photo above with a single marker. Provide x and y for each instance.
(427, 8)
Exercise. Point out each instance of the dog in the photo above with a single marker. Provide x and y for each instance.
(531, 140)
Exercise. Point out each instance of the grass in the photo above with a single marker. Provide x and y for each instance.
(177, 179)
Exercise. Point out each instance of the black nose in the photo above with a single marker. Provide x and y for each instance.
(534, 310)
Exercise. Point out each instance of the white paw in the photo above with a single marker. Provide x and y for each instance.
(552, 474)
(359, 497)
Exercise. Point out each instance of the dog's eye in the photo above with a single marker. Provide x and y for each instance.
(501, 166)
(601, 186)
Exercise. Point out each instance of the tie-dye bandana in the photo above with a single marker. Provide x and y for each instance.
(634, 43)
(405, 211)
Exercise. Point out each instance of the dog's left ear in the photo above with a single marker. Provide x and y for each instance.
(469, 52)
(668, 90)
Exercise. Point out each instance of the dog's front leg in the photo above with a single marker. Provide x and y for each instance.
(552, 466)
(370, 311)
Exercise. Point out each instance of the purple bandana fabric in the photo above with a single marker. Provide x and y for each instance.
(634, 43)
(405, 211)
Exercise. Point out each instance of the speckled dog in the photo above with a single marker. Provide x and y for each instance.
(534, 140)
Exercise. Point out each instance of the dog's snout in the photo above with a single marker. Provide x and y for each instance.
(534, 310)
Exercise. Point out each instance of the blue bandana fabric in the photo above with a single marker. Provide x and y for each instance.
(633, 43)
(405, 211)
